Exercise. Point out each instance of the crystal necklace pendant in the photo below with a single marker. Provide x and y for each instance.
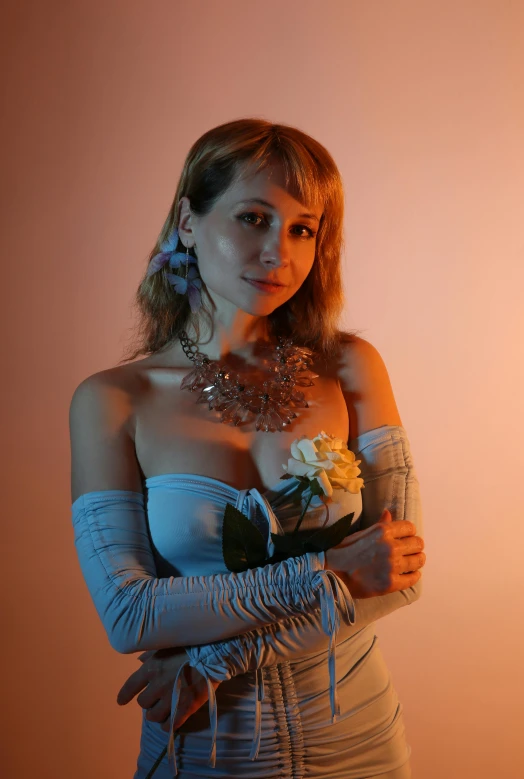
(272, 405)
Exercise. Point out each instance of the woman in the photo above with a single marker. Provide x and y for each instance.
(285, 652)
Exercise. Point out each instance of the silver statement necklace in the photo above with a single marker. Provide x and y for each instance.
(237, 402)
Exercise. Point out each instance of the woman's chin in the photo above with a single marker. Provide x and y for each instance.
(260, 309)
(255, 305)
(263, 305)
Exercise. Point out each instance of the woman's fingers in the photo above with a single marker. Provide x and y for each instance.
(405, 580)
(136, 682)
(156, 663)
(153, 683)
(192, 698)
(159, 711)
(401, 528)
(146, 655)
(410, 545)
(153, 694)
(410, 562)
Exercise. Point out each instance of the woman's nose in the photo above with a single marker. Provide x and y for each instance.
(276, 252)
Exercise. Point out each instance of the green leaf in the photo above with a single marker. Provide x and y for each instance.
(315, 488)
(288, 545)
(243, 544)
(329, 536)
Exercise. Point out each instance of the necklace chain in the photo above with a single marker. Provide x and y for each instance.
(238, 402)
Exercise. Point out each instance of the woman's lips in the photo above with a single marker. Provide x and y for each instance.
(264, 286)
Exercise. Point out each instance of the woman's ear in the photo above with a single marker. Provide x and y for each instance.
(185, 218)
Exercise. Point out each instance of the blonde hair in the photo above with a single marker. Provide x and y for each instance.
(213, 163)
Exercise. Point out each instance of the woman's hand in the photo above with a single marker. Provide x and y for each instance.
(157, 675)
(383, 558)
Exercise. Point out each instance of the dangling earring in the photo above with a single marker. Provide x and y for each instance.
(191, 282)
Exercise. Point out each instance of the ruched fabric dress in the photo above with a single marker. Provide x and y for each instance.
(304, 691)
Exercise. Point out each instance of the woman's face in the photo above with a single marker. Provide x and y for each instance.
(241, 241)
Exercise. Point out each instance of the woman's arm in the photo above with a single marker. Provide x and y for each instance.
(139, 610)
(390, 482)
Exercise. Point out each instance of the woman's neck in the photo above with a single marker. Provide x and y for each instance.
(241, 339)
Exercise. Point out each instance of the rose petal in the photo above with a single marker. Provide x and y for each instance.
(295, 451)
(327, 465)
(338, 473)
(325, 484)
(321, 445)
(335, 457)
(320, 458)
(297, 468)
(308, 450)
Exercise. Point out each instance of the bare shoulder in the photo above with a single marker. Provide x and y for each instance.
(114, 388)
(101, 416)
(366, 386)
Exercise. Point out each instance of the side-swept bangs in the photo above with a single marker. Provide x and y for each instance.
(220, 157)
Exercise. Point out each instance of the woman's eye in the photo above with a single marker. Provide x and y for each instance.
(309, 232)
(257, 216)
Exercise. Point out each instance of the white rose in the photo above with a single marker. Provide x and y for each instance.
(327, 460)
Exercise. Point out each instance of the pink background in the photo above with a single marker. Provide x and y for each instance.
(421, 105)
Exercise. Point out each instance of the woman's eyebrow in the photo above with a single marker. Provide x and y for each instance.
(269, 205)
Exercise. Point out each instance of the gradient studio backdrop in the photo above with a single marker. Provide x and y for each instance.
(421, 105)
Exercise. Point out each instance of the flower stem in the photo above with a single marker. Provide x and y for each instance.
(157, 763)
(303, 512)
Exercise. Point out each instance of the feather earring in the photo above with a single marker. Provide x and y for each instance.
(190, 284)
